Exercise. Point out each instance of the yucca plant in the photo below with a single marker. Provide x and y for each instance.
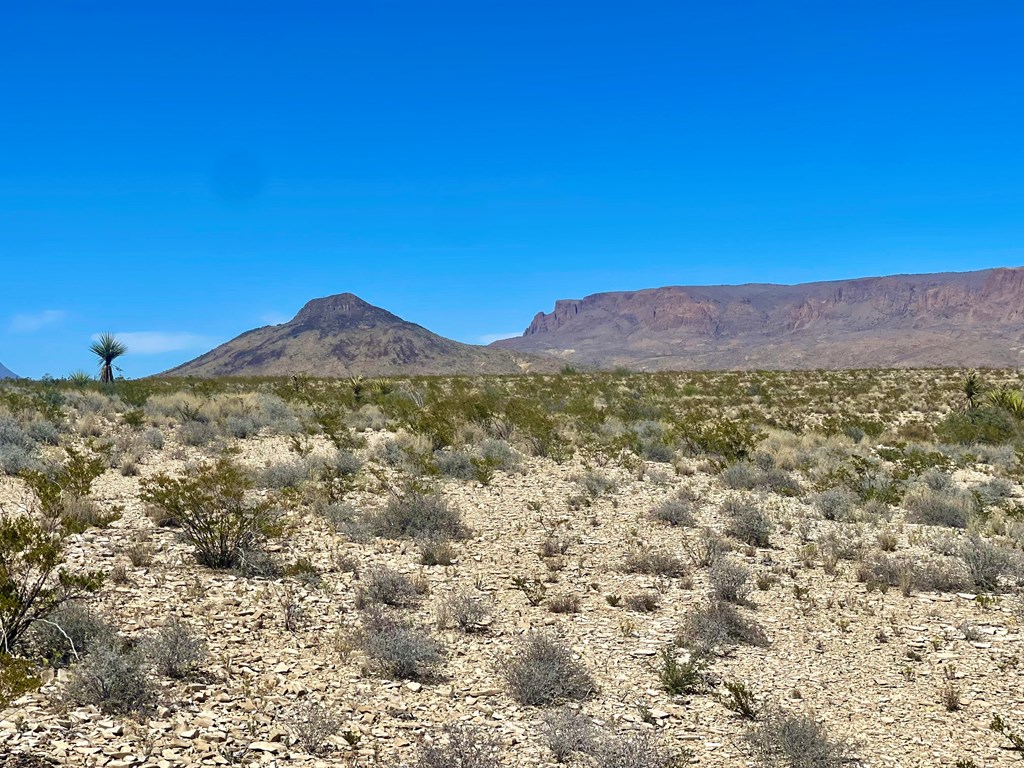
(107, 348)
(1010, 400)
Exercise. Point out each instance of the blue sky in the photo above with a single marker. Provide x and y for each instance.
(181, 172)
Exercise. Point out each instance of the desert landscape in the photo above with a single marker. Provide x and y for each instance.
(606, 569)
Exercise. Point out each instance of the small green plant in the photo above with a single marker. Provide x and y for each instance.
(682, 677)
(1004, 729)
(740, 699)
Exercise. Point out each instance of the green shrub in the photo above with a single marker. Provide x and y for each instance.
(216, 512)
(33, 581)
(987, 425)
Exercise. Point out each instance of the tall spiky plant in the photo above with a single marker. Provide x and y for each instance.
(971, 390)
(107, 348)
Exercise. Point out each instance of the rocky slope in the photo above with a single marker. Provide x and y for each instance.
(7, 373)
(947, 319)
(343, 335)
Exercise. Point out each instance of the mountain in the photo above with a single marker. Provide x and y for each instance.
(7, 373)
(343, 335)
(946, 319)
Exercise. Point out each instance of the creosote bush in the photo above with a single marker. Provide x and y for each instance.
(216, 512)
(543, 672)
(33, 580)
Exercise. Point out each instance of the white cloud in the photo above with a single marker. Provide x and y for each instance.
(37, 321)
(158, 342)
(487, 338)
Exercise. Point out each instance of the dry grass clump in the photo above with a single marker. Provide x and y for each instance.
(112, 678)
(176, 650)
(730, 580)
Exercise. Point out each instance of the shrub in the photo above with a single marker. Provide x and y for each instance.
(675, 512)
(568, 732)
(835, 504)
(682, 677)
(17, 677)
(397, 650)
(645, 602)
(564, 604)
(707, 547)
(417, 515)
(285, 474)
(214, 511)
(651, 562)
(455, 464)
(336, 474)
(112, 679)
(543, 672)
(15, 459)
(465, 611)
(499, 455)
(717, 626)
(947, 508)
(176, 650)
(595, 483)
(312, 726)
(436, 552)
(986, 425)
(33, 582)
(386, 586)
(462, 747)
(637, 750)
(740, 699)
(748, 523)
(196, 433)
(730, 580)
(988, 563)
(796, 741)
(68, 633)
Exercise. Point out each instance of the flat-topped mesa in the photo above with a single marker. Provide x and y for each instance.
(943, 319)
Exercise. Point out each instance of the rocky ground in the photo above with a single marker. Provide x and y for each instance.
(869, 663)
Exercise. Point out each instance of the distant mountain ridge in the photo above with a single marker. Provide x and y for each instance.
(942, 319)
(342, 335)
(7, 373)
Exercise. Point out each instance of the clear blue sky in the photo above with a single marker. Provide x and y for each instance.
(188, 171)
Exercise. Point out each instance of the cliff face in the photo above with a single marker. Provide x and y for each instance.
(970, 318)
(343, 335)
